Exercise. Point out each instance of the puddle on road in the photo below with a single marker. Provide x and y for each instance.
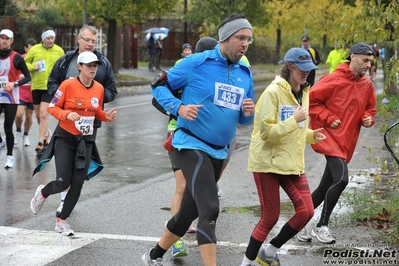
(286, 207)
(363, 178)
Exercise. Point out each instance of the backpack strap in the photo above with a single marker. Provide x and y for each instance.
(161, 79)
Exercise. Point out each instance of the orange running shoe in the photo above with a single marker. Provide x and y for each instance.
(39, 147)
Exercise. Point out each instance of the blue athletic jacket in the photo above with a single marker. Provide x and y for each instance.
(207, 79)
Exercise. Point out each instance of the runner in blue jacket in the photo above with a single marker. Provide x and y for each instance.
(217, 95)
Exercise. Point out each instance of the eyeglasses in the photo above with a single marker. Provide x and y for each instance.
(305, 40)
(243, 38)
(88, 40)
(91, 65)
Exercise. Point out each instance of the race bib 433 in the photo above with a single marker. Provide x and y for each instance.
(228, 96)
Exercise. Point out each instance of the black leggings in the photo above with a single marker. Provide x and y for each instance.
(200, 197)
(332, 184)
(67, 173)
(10, 110)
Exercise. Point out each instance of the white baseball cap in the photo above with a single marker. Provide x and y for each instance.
(88, 57)
(7, 33)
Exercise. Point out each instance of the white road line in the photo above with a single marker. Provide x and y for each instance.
(35, 247)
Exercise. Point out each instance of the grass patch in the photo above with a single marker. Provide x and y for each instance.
(142, 64)
(124, 77)
(371, 209)
(272, 68)
(390, 109)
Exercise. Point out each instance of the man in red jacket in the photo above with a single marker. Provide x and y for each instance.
(340, 102)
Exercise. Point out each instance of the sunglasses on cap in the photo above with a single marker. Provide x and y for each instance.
(304, 57)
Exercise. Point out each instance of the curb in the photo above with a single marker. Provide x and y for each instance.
(128, 83)
(134, 89)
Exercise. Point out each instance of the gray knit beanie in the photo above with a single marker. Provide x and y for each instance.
(205, 43)
(232, 27)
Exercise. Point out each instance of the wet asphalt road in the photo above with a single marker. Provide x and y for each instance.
(121, 213)
(131, 148)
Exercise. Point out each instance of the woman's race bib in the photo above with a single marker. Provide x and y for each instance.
(286, 111)
(85, 125)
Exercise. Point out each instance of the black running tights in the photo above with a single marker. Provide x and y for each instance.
(200, 198)
(10, 110)
(332, 184)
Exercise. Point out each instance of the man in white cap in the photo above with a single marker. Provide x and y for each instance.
(40, 61)
(217, 95)
(11, 66)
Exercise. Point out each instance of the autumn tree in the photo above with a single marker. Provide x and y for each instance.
(212, 12)
(8, 8)
(283, 16)
(117, 13)
(110, 14)
(326, 16)
(382, 18)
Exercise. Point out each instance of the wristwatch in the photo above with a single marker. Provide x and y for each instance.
(16, 84)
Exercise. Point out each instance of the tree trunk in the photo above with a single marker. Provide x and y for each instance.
(390, 87)
(278, 46)
(324, 49)
(114, 45)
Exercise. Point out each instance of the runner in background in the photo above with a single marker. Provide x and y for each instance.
(25, 105)
(12, 65)
(40, 61)
(178, 249)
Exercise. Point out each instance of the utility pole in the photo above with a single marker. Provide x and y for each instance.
(185, 23)
(84, 13)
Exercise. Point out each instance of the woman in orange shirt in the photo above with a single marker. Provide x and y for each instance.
(76, 104)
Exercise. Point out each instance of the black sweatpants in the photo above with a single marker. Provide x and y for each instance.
(67, 173)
